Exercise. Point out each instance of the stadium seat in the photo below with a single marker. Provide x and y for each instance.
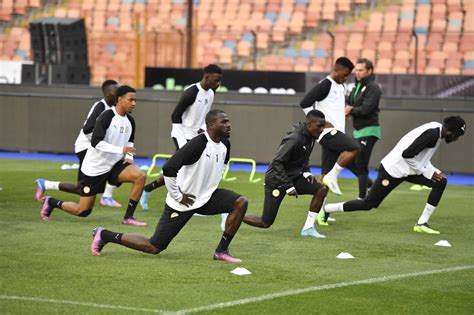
(380, 33)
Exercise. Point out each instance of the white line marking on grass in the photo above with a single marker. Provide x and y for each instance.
(319, 288)
(238, 302)
(95, 305)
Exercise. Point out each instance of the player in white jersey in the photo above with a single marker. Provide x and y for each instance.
(108, 159)
(109, 87)
(192, 176)
(188, 118)
(410, 160)
(338, 149)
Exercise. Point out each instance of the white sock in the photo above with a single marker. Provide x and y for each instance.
(334, 207)
(109, 190)
(334, 172)
(51, 185)
(427, 212)
(224, 218)
(310, 220)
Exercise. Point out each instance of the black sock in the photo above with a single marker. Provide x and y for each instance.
(112, 237)
(151, 186)
(55, 203)
(224, 243)
(132, 204)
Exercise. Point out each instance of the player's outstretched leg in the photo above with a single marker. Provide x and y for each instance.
(160, 181)
(107, 200)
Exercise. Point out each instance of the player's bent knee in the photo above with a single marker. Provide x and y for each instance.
(85, 213)
(443, 182)
(141, 177)
(241, 203)
(151, 249)
(266, 225)
(371, 206)
(322, 192)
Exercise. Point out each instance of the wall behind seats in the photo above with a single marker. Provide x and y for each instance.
(48, 120)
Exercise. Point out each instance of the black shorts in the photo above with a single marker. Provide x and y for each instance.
(334, 143)
(93, 185)
(384, 184)
(172, 221)
(80, 155)
(274, 196)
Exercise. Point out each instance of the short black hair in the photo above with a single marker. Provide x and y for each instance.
(122, 90)
(455, 124)
(108, 83)
(212, 68)
(368, 64)
(315, 113)
(345, 62)
(212, 114)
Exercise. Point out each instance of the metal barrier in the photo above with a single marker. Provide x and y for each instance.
(153, 162)
(241, 160)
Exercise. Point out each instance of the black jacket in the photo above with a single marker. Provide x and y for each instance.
(291, 158)
(366, 105)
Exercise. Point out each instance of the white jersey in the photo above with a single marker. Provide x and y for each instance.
(83, 140)
(190, 112)
(111, 133)
(328, 97)
(195, 169)
(412, 154)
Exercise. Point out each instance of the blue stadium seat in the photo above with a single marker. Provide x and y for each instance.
(230, 44)
(421, 30)
(272, 16)
(247, 36)
(301, 2)
(409, 16)
(455, 23)
(111, 49)
(305, 53)
(320, 53)
(289, 52)
(469, 64)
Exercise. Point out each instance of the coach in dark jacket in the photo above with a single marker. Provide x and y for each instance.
(363, 107)
(289, 173)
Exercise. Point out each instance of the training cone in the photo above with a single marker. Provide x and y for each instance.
(240, 271)
(344, 255)
(443, 243)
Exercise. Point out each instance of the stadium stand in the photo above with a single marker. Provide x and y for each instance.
(285, 35)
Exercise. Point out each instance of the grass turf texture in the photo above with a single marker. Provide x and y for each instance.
(51, 260)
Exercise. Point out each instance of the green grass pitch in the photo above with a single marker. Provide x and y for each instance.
(46, 267)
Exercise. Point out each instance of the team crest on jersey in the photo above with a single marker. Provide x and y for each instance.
(333, 132)
(174, 215)
(86, 189)
(385, 182)
(275, 193)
